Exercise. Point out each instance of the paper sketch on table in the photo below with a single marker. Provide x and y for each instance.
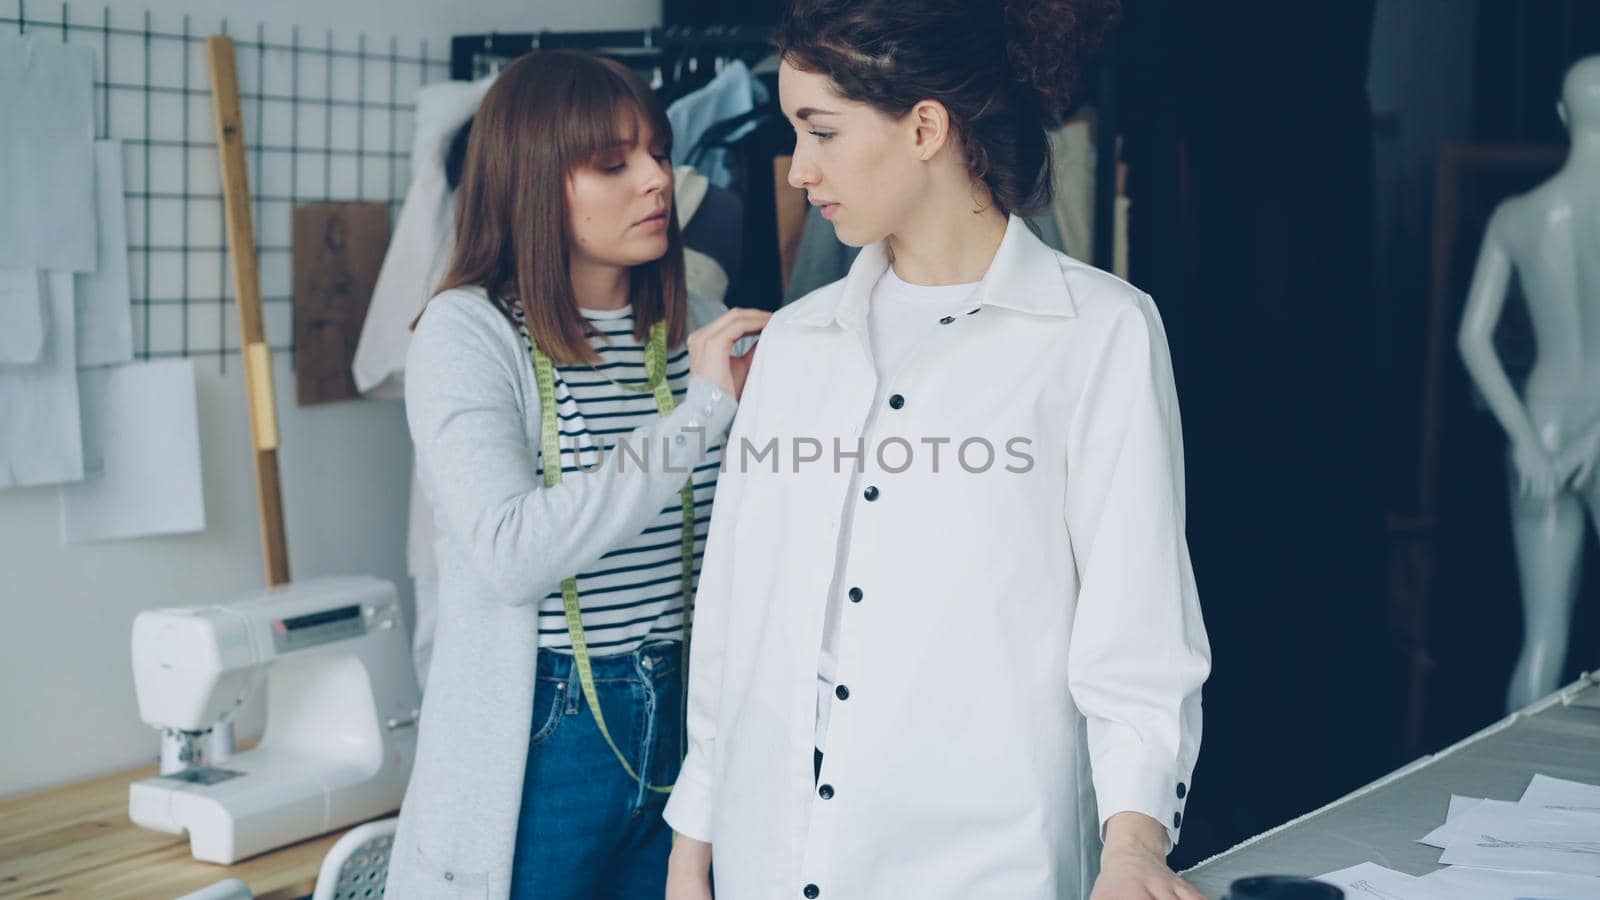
(105, 310)
(1542, 792)
(1489, 840)
(1463, 883)
(1459, 805)
(1367, 888)
(141, 445)
(1515, 836)
(1558, 793)
(21, 316)
(47, 154)
(41, 440)
(1370, 881)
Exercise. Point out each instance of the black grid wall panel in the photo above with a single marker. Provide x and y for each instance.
(327, 116)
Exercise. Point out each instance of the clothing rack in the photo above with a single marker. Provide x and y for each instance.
(474, 56)
(680, 58)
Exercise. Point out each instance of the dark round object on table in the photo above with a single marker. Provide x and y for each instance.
(1282, 887)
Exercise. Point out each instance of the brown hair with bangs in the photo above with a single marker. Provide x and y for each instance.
(546, 115)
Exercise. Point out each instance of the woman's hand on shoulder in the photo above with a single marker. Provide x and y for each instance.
(711, 348)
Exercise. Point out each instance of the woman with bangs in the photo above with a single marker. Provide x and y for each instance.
(568, 399)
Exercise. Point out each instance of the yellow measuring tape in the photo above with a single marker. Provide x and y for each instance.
(655, 362)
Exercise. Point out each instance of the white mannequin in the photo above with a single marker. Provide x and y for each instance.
(1551, 237)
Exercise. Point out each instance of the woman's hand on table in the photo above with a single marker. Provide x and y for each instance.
(1133, 865)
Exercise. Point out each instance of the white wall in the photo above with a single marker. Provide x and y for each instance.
(67, 708)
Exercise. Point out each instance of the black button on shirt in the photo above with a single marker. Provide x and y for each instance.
(812, 892)
(825, 792)
(1183, 790)
(871, 493)
(842, 692)
(856, 595)
(896, 401)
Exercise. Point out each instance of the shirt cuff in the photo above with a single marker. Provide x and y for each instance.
(1142, 788)
(699, 422)
(689, 807)
(714, 405)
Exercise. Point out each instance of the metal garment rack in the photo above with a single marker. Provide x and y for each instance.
(476, 55)
(328, 118)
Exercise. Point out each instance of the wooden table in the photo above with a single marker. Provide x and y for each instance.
(77, 841)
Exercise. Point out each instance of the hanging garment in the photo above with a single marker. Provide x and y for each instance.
(705, 276)
(733, 92)
(752, 142)
(1072, 156)
(418, 252)
(420, 247)
(717, 230)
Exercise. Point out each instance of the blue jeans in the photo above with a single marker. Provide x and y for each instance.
(587, 830)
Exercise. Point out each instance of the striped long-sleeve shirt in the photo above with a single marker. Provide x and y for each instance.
(633, 594)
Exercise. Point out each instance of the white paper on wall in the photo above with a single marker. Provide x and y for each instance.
(41, 440)
(21, 316)
(46, 154)
(141, 440)
(105, 311)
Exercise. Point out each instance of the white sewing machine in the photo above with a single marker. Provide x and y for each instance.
(342, 705)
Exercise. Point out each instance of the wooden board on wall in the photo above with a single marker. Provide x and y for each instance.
(338, 249)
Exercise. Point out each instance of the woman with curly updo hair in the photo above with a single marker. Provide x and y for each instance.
(948, 642)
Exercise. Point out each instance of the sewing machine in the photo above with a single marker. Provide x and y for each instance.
(342, 705)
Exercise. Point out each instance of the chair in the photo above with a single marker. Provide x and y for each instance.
(354, 869)
(358, 864)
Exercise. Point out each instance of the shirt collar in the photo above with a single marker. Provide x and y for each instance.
(1024, 275)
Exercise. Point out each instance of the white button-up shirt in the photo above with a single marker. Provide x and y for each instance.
(1020, 635)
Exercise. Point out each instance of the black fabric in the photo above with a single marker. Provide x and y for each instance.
(717, 229)
(1248, 134)
(760, 280)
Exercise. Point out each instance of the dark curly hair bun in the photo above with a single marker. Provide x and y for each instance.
(1005, 69)
(1048, 42)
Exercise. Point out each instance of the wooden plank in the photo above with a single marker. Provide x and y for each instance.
(338, 250)
(77, 841)
(247, 290)
(80, 850)
(27, 814)
(171, 872)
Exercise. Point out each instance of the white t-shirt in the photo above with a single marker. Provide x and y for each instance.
(899, 315)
